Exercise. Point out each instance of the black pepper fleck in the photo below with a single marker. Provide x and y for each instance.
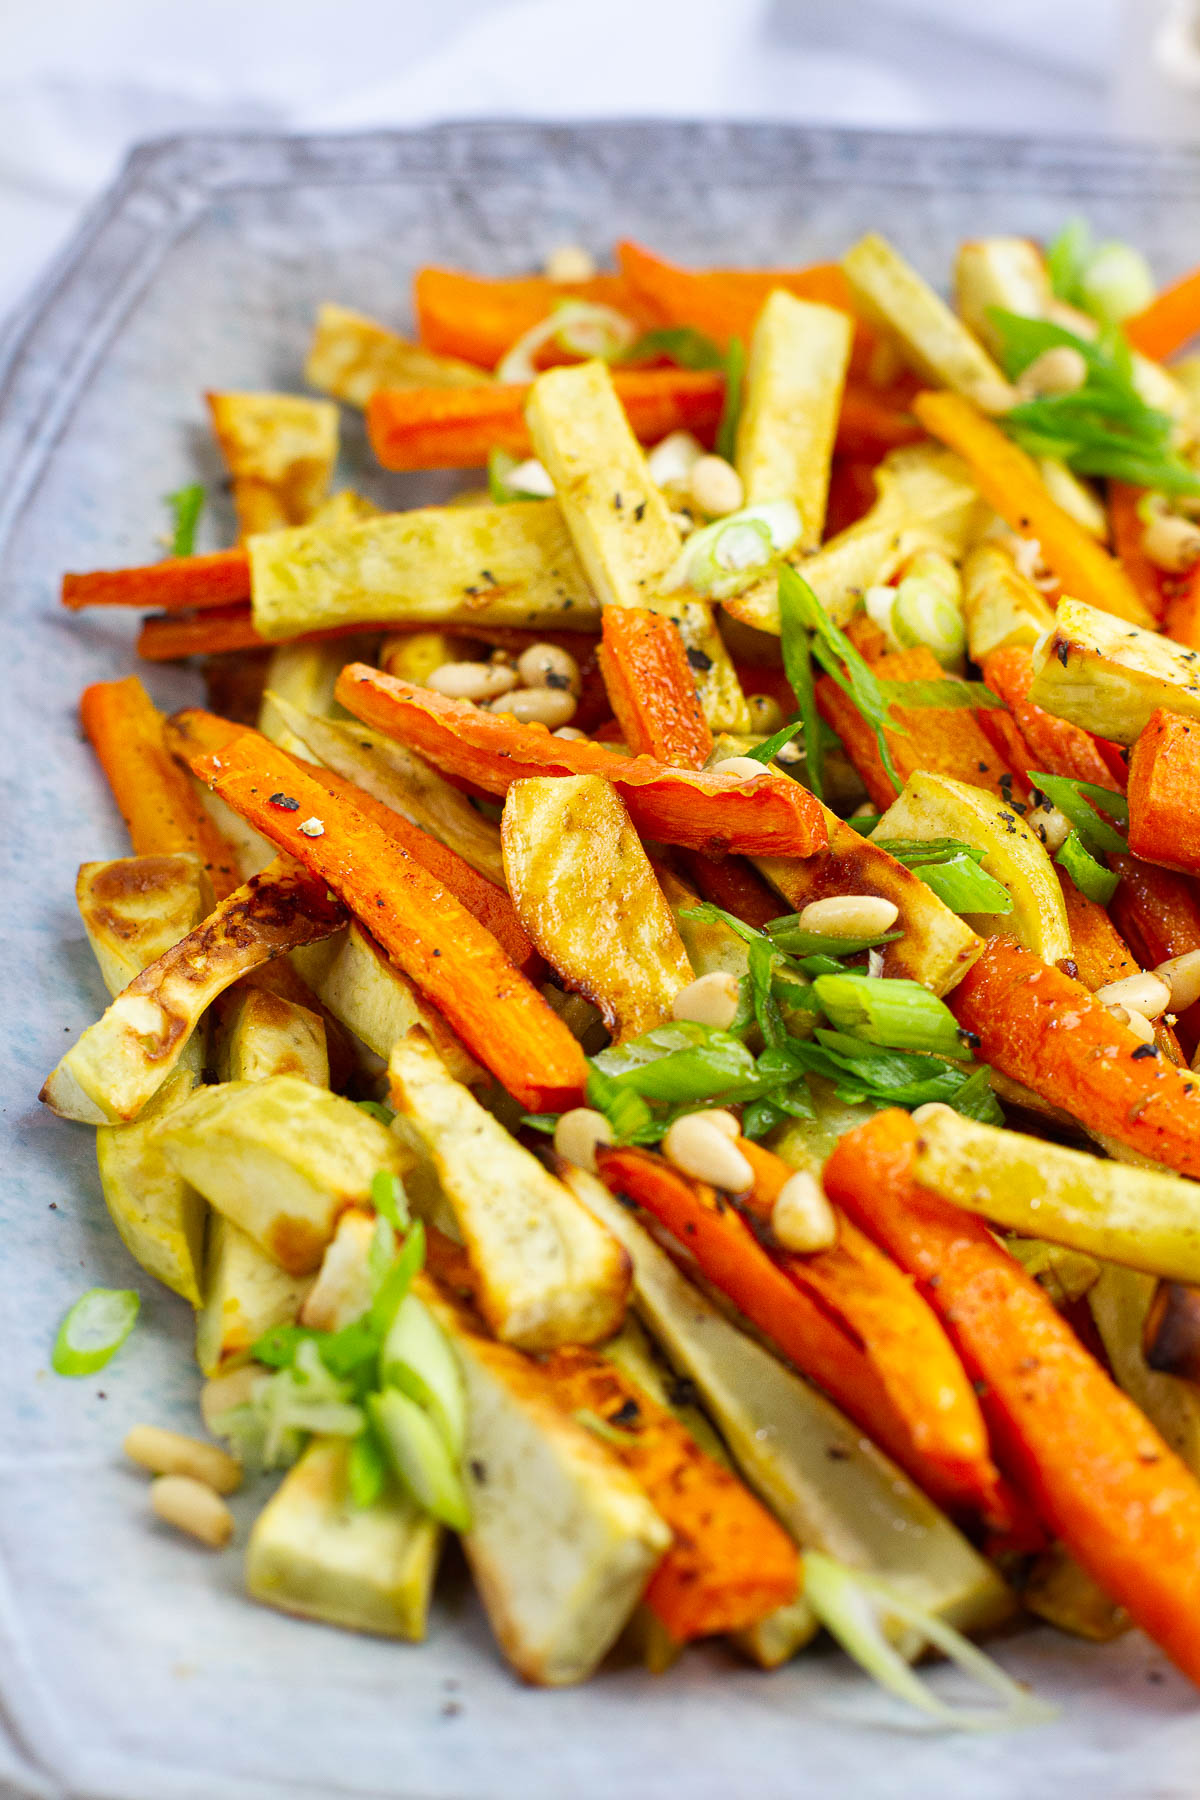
(284, 802)
(1145, 1050)
(699, 660)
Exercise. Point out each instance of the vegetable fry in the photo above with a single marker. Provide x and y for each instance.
(161, 809)
(280, 450)
(1001, 607)
(1009, 480)
(584, 889)
(1040, 1028)
(175, 585)
(1172, 318)
(1120, 1500)
(1109, 678)
(652, 688)
(351, 357)
(135, 907)
(769, 815)
(1164, 787)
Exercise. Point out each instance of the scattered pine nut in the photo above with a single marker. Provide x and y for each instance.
(171, 1453)
(192, 1507)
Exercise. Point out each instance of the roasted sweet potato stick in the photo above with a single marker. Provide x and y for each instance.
(820, 1345)
(1122, 1502)
(702, 811)
(161, 810)
(480, 319)
(1009, 480)
(176, 585)
(652, 689)
(1041, 1028)
(1056, 746)
(428, 933)
(1170, 321)
(730, 1564)
(1164, 793)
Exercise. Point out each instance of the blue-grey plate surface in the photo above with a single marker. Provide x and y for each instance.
(131, 1665)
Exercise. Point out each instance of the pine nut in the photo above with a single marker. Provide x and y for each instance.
(171, 1453)
(725, 1121)
(932, 1109)
(194, 1508)
(849, 916)
(703, 1150)
(1182, 976)
(1052, 826)
(579, 1134)
(802, 1218)
(571, 733)
(1137, 1022)
(1058, 371)
(744, 767)
(671, 462)
(1144, 993)
(537, 706)
(546, 666)
(716, 487)
(472, 680)
(224, 1392)
(569, 262)
(994, 397)
(766, 714)
(709, 1000)
(531, 477)
(1171, 542)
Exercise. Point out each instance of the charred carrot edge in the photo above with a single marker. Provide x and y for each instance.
(1127, 544)
(426, 931)
(651, 688)
(1004, 735)
(1121, 1501)
(1009, 480)
(161, 810)
(1098, 950)
(1164, 785)
(732, 885)
(919, 1368)
(1170, 321)
(479, 318)
(944, 741)
(820, 1346)
(701, 811)
(457, 428)
(176, 585)
(170, 639)
(1056, 746)
(1158, 912)
(869, 425)
(1041, 1028)
(730, 1564)
(852, 491)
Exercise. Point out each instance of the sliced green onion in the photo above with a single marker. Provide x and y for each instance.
(952, 870)
(417, 1358)
(388, 1198)
(420, 1457)
(578, 326)
(799, 607)
(899, 1015)
(547, 1122)
(821, 963)
(1089, 876)
(853, 1606)
(975, 1099)
(924, 613)
(797, 666)
(1116, 283)
(366, 1471)
(683, 1076)
(381, 1253)
(769, 749)
(186, 504)
(683, 345)
(731, 412)
(94, 1330)
(723, 558)
(628, 1114)
(375, 1109)
(1066, 258)
(862, 1071)
(915, 852)
(945, 695)
(514, 478)
(1071, 797)
(787, 934)
(863, 823)
(277, 1348)
(398, 1280)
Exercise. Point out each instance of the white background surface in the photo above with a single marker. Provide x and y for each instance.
(81, 80)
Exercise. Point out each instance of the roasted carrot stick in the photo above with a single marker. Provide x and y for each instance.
(730, 882)
(1123, 1503)
(428, 933)
(1158, 912)
(652, 689)
(176, 585)
(1170, 321)
(819, 1344)
(1009, 480)
(942, 740)
(1164, 793)
(870, 424)
(1127, 543)
(480, 319)
(730, 1563)
(1055, 745)
(457, 428)
(161, 810)
(1181, 620)
(702, 811)
(1041, 1028)
(1098, 950)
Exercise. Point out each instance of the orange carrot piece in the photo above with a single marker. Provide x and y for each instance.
(176, 585)
(820, 1345)
(161, 810)
(1164, 793)
(1123, 1503)
(730, 883)
(1055, 746)
(1009, 480)
(1041, 1028)
(424, 929)
(1181, 620)
(702, 811)
(852, 492)
(730, 1563)
(725, 303)
(1170, 321)
(1158, 912)
(172, 637)
(1098, 950)
(457, 428)
(942, 740)
(1127, 543)
(652, 689)
(870, 424)
(480, 318)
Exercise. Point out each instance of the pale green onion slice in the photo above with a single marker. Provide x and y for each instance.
(419, 1455)
(186, 504)
(1116, 283)
(417, 1358)
(879, 602)
(731, 554)
(1090, 876)
(897, 1015)
(94, 1330)
(852, 1605)
(577, 326)
(923, 613)
(389, 1199)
